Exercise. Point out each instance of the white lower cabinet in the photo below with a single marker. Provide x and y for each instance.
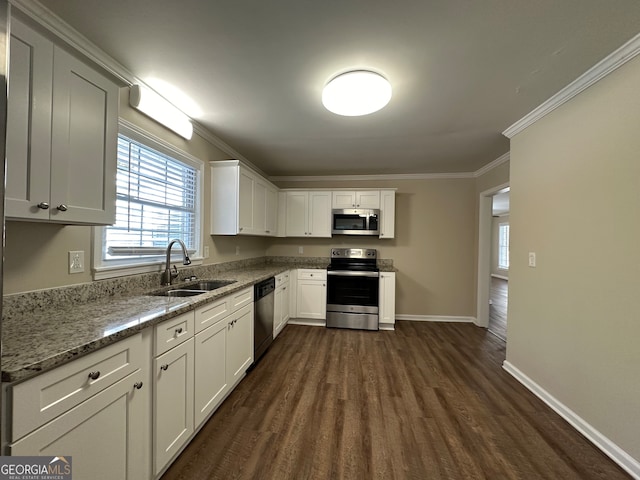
(387, 300)
(210, 369)
(223, 352)
(172, 402)
(105, 435)
(101, 415)
(311, 294)
(239, 344)
(281, 301)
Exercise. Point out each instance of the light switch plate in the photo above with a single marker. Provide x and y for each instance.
(76, 261)
(532, 259)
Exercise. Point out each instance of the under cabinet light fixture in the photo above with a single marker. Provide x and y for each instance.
(157, 108)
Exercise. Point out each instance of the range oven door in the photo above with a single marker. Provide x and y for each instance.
(352, 299)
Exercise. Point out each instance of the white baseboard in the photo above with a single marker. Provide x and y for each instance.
(386, 326)
(435, 318)
(622, 458)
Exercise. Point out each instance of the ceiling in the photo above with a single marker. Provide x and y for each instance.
(462, 71)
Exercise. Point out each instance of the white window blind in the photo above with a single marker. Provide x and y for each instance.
(156, 202)
(503, 246)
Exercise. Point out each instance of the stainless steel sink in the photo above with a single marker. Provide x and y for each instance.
(207, 285)
(193, 289)
(180, 293)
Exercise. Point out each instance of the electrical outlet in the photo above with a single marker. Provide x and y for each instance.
(206, 251)
(300, 250)
(76, 261)
(237, 249)
(532, 259)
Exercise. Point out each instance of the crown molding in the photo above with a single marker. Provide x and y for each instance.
(491, 165)
(596, 73)
(378, 177)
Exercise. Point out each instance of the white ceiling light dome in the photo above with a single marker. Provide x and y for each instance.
(355, 93)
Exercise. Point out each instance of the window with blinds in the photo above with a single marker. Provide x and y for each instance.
(157, 201)
(503, 246)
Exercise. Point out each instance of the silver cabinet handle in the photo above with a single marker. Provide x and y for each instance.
(43, 205)
(94, 375)
(164, 367)
(137, 385)
(62, 207)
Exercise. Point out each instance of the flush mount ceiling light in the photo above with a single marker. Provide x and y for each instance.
(359, 92)
(156, 107)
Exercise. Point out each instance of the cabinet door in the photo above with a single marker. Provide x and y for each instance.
(271, 211)
(246, 223)
(106, 435)
(368, 199)
(312, 299)
(319, 214)
(28, 117)
(83, 144)
(277, 311)
(286, 312)
(259, 208)
(210, 369)
(173, 402)
(297, 206)
(239, 344)
(388, 213)
(387, 307)
(342, 199)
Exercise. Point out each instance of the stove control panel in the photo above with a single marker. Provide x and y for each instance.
(370, 253)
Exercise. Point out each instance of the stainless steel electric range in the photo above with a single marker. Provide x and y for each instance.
(352, 289)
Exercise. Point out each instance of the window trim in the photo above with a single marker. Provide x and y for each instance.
(100, 269)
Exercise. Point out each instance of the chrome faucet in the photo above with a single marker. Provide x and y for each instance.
(168, 275)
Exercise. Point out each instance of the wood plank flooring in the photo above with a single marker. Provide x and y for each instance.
(427, 401)
(499, 294)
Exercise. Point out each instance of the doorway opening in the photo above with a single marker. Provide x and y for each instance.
(491, 279)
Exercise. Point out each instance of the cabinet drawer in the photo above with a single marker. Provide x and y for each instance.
(241, 298)
(311, 274)
(282, 278)
(212, 313)
(173, 332)
(39, 400)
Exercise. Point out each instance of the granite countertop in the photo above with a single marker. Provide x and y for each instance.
(40, 339)
(44, 329)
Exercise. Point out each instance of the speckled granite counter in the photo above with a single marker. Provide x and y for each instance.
(44, 329)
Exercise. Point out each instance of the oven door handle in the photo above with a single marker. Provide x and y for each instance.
(352, 273)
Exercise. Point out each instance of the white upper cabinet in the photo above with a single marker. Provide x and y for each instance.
(62, 127)
(387, 213)
(308, 214)
(242, 202)
(357, 199)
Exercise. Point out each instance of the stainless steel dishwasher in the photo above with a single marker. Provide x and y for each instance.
(263, 317)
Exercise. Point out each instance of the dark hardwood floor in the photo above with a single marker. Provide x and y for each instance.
(499, 294)
(427, 401)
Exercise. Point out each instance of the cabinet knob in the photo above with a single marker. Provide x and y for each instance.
(178, 331)
(267, 231)
(43, 205)
(62, 207)
(164, 367)
(240, 229)
(137, 385)
(94, 375)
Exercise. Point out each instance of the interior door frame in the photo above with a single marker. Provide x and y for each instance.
(485, 216)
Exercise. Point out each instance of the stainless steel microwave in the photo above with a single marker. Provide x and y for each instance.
(355, 221)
